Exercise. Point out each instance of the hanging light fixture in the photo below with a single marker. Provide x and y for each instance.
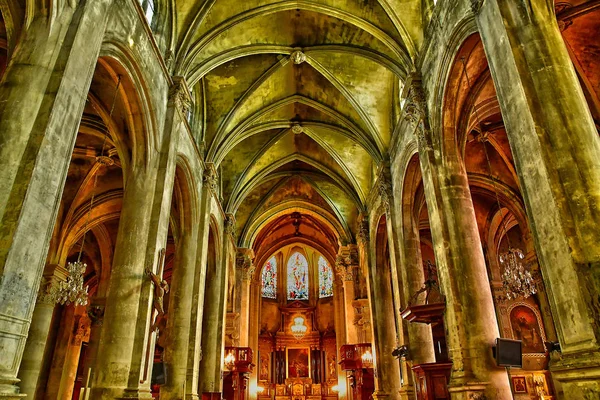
(299, 329)
(516, 277)
(71, 290)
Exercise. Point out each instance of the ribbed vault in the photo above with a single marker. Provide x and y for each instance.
(298, 101)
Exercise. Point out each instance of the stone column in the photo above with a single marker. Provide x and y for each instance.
(557, 156)
(209, 185)
(340, 333)
(179, 320)
(346, 266)
(470, 318)
(37, 341)
(215, 296)
(387, 368)
(125, 353)
(245, 269)
(40, 108)
(420, 339)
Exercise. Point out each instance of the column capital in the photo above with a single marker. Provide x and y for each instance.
(415, 108)
(362, 234)
(179, 94)
(230, 225)
(347, 262)
(244, 261)
(209, 177)
(384, 187)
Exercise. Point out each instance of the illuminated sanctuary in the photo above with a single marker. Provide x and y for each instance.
(299, 199)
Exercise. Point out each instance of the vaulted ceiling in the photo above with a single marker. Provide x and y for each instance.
(298, 100)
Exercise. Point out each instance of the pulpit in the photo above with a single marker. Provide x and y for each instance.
(431, 381)
(358, 359)
(238, 364)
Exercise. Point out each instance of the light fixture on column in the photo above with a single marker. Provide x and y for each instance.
(516, 277)
(229, 361)
(299, 329)
(367, 359)
(71, 290)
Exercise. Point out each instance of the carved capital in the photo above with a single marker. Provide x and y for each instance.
(346, 263)
(54, 274)
(230, 225)
(209, 178)
(415, 107)
(179, 94)
(362, 234)
(244, 261)
(384, 189)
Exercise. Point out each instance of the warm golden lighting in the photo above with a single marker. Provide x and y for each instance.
(229, 360)
(299, 329)
(335, 388)
(367, 358)
(260, 389)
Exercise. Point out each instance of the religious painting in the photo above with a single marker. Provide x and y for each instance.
(519, 384)
(526, 328)
(297, 277)
(298, 363)
(264, 368)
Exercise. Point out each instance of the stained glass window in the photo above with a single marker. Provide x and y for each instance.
(297, 277)
(269, 279)
(325, 278)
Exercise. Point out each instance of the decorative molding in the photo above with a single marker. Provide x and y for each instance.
(179, 94)
(384, 188)
(297, 128)
(415, 108)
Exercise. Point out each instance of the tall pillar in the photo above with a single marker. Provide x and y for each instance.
(557, 156)
(215, 297)
(209, 185)
(470, 317)
(346, 266)
(245, 270)
(124, 361)
(420, 338)
(340, 333)
(387, 368)
(37, 341)
(179, 321)
(40, 109)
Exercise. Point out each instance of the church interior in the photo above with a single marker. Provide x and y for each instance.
(300, 199)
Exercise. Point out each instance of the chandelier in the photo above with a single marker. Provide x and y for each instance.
(516, 277)
(72, 291)
(299, 329)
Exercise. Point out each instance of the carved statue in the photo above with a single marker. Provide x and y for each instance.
(332, 368)
(161, 287)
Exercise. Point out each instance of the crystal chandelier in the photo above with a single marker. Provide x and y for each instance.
(299, 329)
(516, 277)
(367, 359)
(72, 290)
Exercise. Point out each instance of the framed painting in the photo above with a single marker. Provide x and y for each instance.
(519, 384)
(298, 363)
